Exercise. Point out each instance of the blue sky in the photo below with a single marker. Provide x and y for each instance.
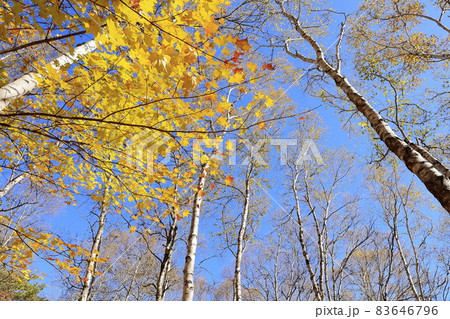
(72, 219)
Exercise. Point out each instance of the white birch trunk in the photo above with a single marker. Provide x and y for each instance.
(188, 272)
(28, 82)
(301, 236)
(161, 284)
(13, 182)
(95, 248)
(405, 265)
(240, 239)
(432, 177)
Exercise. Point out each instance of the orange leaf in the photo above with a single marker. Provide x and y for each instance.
(84, 279)
(262, 125)
(268, 66)
(236, 56)
(212, 186)
(229, 180)
(237, 70)
(243, 44)
(135, 4)
(229, 65)
(301, 118)
(211, 97)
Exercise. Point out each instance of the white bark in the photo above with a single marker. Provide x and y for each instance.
(161, 284)
(13, 182)
(240, 240)
(432, 177)
(188, 272)
(301, 236)
(95, 248)
(405, 263)
(28, 82)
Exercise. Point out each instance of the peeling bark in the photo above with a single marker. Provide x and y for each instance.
(433, 178)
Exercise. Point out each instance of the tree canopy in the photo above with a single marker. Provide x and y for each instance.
(289, 140)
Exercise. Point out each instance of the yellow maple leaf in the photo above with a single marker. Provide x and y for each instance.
(237, 78)
(269, 102)
(223, 121)
(230, 145)
(211, 28)
(204, 159)
(222, 40)
(186, 213)
(208, 112)
(147, 5)
(223, 106)
(115, 33)
(252, 66)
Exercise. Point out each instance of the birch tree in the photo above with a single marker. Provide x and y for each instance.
(188, 272)
(422, 164)
(173, 94)
(410, 233)
(241, 234)
(301, 39)
(28, 82)
(319, 206)
(88, 279)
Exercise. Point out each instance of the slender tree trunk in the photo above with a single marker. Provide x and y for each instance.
(301, 237)
(275, 272)
(28, 82)
(430, 173)
(321, 248)
(95, 248)
(240, 239)
(405, 264)
(161, 284)
(131, 281)
(188, 272)
(416, 257)
(394, 229)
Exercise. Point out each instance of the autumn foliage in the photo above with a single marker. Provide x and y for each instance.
(125, 110)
